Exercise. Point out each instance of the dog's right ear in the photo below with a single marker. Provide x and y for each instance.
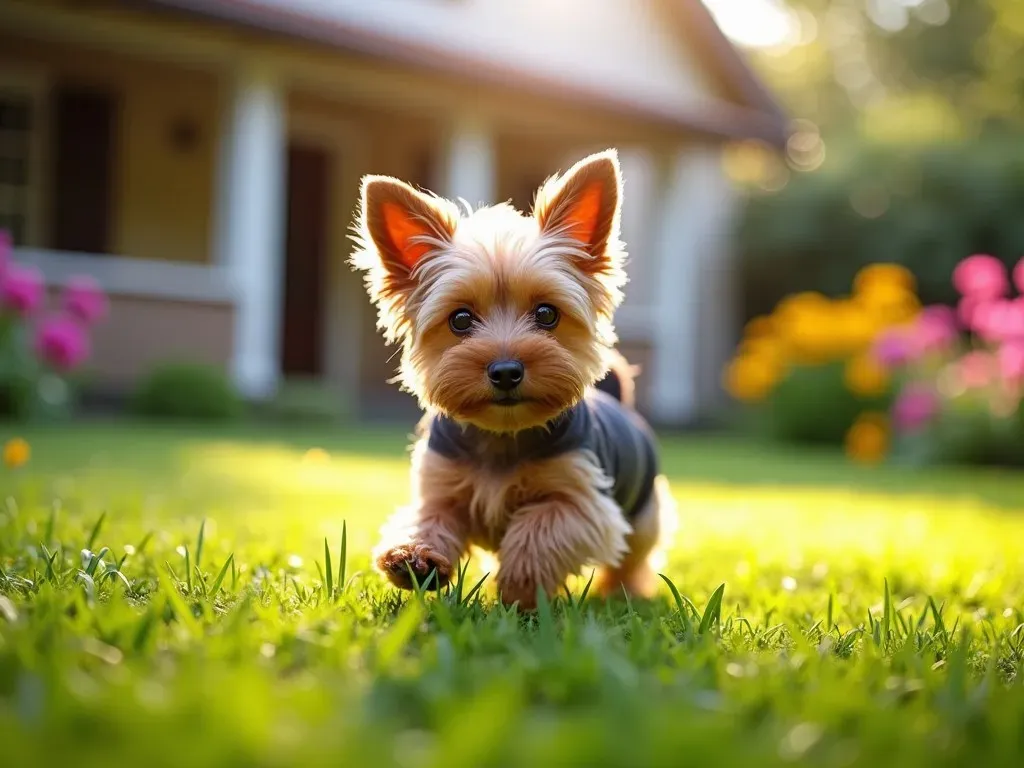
(397, 228)
(404, 225)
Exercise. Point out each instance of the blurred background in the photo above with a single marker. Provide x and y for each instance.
(803, 178)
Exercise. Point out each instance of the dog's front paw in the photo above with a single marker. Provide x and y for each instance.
(522, 592)
(397, 562)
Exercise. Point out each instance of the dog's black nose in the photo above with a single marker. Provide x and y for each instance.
(505, 375)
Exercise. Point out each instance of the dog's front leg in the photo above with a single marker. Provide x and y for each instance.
(547, 541)
(431, 533)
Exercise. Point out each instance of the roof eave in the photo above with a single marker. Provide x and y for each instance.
(723, 121)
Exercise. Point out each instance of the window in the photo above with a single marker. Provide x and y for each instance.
(19, 169)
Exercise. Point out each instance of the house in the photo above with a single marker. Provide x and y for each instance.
(201, 159)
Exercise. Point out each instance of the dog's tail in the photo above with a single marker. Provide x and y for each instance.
(620, 381)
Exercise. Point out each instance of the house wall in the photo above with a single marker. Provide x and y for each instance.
(163, 193)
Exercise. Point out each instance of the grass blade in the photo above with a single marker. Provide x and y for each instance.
(545, 621)
(683, 613)
(343, 555)
(95, 531)
(475, 589)
(141, 546)
(199, 543)
(114, 573)
(89, 585)
(181, 610)
(401, 633)
(586, 589)
(713, 610)
(462, 568)
(329, 575)
(940, 625)
(51, 522)
(886, 613)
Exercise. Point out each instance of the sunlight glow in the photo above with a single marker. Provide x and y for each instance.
(753, 23)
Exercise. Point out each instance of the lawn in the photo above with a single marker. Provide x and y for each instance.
(186, 597)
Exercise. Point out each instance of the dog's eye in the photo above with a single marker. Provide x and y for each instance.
(461, 321)
(546, 316)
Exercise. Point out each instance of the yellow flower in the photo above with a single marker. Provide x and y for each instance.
(865, 377)
(884, 276)
(316, 456)
(767, 348)
(16, 452)
(759, 327)
(867, 441)
(801, 305)
(750, 377)
(811, 338)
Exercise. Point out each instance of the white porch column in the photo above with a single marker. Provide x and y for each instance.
(696, 195)
(641, 216)
(250, 232)
(470, 162)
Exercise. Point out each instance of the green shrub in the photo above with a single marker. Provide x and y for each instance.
(925, 209)
(965, 432)
(187, 391)
(812, 404)
(305, 401)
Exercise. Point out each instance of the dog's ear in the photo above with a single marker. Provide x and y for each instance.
(584, 204)
(397, 227)
(404, 225)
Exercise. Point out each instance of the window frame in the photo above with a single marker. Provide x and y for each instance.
(34, 84)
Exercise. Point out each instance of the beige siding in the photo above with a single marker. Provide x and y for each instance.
(140, 333)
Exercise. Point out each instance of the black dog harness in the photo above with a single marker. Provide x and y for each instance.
(617, 436)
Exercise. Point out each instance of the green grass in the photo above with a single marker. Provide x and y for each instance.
(166, 599)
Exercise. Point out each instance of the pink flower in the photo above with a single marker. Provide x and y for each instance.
(981, 276)
(85, 300)
(967, 309)
(975, 370)
(1014, 319)
(1011, 361)
(1018, 275)
(892, 349)
(935, 329)
(62, 343)
(21, 289)
(999, 320)
(915, 407)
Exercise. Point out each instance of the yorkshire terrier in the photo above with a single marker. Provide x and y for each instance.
(507, 340)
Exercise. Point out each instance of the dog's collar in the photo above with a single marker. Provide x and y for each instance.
(564, 433)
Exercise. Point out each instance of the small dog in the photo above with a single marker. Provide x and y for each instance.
(505, 323)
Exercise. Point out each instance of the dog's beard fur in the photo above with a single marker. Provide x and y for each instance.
(426, 258)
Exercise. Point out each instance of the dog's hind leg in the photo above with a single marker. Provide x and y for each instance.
(653, 532)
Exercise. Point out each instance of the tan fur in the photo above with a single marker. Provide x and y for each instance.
(424, 260)
(653, 533)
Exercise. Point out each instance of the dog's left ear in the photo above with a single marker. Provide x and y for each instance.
(584, 204)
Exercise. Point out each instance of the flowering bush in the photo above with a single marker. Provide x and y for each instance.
(38, 351)
(808, 367)
(961, 373)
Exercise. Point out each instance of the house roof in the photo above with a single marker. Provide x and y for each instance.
(747, 111)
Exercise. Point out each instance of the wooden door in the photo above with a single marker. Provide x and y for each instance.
(309, 171)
